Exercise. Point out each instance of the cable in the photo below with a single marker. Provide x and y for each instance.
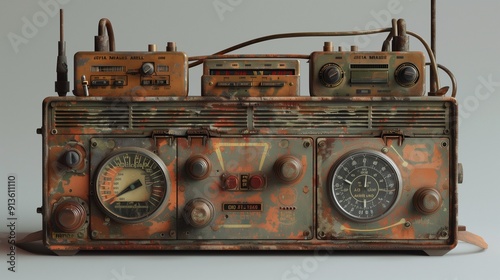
(452, 78)
(433, 63)
(245, 56)
(387, 41)
(101, 41)
(294, 35)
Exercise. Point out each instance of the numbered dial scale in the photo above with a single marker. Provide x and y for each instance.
(365, 185)
(131, 185)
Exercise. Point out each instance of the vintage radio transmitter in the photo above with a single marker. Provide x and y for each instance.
(305, 173)
(231, 78)
(131, 73)
(357, 73)
(365, 163)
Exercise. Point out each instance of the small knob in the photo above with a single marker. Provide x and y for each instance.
(69, 216)
(151, 47)
(331, 75)
(198, 212)
(198, 167)
(148, 68)
(171, 47)
(406, 75)
(72, 158)
(328, 47)
(427, 200)
(288, 168)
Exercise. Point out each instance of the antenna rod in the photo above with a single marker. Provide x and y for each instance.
(62, 83)
(433, 88)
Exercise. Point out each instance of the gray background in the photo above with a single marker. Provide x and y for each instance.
(468, 44)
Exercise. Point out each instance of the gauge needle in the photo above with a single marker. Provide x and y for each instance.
(136, 184)
(366, 179)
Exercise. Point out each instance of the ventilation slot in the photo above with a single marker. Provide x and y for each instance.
(311, 118)
(408, 117)
(188, 117)
(69, 117)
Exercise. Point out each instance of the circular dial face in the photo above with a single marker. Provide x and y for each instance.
(131, 185)
(365, 185)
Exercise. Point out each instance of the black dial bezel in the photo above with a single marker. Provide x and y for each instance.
(393, 169)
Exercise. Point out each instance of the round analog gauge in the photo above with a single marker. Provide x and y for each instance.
(365, 185)
(131, 185)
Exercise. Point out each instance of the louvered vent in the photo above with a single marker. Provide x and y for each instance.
(408, 117)
(312, 117)
(151, 117)
(303, 117)
(169, 117)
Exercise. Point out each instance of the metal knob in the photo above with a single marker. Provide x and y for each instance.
(198, 167)
(288, 168)
(198, 212)
(427, 200)
(148, 69)
(69, 216)
(406, 75)
(331, 75)
(72, 158)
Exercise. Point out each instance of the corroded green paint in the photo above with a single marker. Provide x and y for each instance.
(245, 137)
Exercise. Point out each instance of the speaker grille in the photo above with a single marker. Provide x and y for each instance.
(274, 116)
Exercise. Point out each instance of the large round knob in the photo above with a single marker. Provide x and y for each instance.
(331, 74)
(198, 212)
(198, 167)
(288, 168)
(406, 75)
(427, 200)
(69, 216)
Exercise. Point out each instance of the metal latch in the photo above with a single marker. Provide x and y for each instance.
(201, 133)
(393, 134)
(165, 134)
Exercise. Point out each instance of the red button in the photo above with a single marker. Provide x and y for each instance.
(231, 182)
(257, 182)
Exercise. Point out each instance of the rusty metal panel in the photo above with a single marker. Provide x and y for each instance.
(423, 165)
(131, 74)
(367, 73)
(237, 78)
(247, 173)
(258, 188)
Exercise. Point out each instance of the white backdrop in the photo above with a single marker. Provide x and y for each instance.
(468, 44)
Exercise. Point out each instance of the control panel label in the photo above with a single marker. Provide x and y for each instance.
(242, 206)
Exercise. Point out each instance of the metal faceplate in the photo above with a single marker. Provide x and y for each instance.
(423, 164)
(251, 173)
(258, 188)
